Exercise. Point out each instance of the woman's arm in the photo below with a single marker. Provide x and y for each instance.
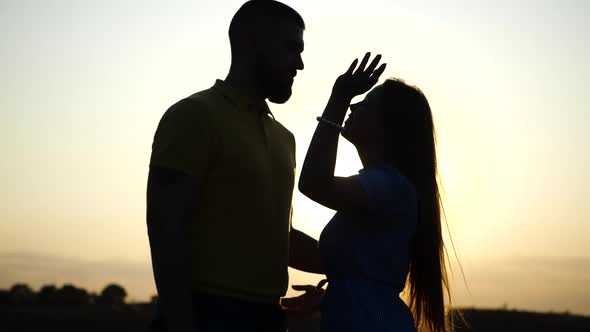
(317, 180)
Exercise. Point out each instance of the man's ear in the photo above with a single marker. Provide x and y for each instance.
(258, 42)
(253, 44)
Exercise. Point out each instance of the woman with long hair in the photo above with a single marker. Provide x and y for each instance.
(386, 234)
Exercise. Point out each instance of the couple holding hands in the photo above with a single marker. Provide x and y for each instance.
(221, 181)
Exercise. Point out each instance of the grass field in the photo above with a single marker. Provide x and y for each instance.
(132, 318)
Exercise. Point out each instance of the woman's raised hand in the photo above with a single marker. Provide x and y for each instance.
(356, 82)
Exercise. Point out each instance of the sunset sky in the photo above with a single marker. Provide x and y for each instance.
(84, 83)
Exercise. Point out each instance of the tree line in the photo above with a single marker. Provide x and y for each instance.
(67, 295)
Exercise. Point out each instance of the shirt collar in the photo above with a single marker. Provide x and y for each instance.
(241, 101)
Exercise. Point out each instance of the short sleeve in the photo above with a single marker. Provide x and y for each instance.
(294, 149)
(388, 191)
(182, 140)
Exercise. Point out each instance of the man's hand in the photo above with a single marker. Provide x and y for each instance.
(306, 304)
(353, 83)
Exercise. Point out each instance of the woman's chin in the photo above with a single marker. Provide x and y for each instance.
(346, 134)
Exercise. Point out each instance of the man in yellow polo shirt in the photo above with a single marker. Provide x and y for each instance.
(220, 187)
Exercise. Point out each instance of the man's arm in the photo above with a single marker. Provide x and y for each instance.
(305, 256)
(170, 195)
(304, 253)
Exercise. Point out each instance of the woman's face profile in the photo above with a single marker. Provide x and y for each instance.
(364, 125)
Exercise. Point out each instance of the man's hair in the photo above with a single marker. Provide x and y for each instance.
(256, 15)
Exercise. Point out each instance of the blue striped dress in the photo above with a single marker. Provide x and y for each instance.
(366, 257)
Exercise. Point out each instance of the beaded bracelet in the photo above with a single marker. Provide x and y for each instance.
(331, 124)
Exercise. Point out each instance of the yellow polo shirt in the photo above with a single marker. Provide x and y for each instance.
(245, 162)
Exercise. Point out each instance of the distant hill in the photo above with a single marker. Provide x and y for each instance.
(134, 318)
(512, 320)
(533, 283)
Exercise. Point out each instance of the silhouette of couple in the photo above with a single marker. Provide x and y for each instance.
(220, 187)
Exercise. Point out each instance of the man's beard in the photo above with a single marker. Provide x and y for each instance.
(274, 88)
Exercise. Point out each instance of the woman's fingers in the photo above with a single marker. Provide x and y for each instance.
(369, 71)
(358, 80)
(361, 67)
(378, 72)
(373, 64)
(307, 288)
(352, 66)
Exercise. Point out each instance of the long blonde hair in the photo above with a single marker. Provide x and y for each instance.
(411, 147)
